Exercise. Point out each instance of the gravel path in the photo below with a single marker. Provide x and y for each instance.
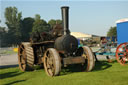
(8, 60)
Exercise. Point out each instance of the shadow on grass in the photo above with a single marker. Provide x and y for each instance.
(8, 66)
(14, 82)
(10, 74)
(71, 69)
(102, 65)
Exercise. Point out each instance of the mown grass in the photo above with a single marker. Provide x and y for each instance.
(104, 73)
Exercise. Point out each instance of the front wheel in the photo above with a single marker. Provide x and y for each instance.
(52, 62)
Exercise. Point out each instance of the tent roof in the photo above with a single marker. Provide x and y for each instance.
(80, 35)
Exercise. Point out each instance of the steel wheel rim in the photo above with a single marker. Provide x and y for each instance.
(122, 54)
(22, 58)
(51, 63)
(89, 58)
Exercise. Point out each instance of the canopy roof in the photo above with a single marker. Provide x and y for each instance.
(122, 20)
(80, 35)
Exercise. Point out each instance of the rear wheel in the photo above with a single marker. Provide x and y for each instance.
(52, 63)
(25, 57)
(122, 54)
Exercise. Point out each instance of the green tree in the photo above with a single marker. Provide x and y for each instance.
(13, 22)
(27, 28)
(58, 21)
(53, 22)
(40, 25)
(112, 32)
(3, 39)
(2, 29)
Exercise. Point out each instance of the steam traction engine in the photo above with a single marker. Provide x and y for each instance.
(122, 39)
(55, 50)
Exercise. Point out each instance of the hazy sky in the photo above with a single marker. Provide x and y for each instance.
(87, 16)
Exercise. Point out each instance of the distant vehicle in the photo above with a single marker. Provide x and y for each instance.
(122, 40)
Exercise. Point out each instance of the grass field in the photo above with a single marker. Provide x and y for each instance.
(104, 73)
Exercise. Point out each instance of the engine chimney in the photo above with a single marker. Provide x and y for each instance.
(65, 19)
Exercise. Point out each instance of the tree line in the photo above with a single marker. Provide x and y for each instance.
(19, 30)
(112, 32)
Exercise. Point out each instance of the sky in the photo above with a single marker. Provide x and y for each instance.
(86, 16)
